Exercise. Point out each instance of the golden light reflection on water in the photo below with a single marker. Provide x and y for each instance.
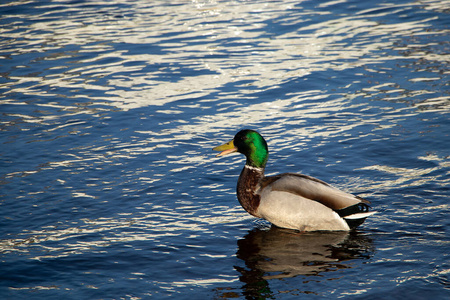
(409, 177)
(123, 229)
(263, 61)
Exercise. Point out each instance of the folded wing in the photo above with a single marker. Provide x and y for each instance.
(350, 207)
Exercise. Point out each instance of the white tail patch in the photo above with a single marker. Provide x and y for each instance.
(360, 215)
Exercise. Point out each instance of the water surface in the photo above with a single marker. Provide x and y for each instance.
(109, 111)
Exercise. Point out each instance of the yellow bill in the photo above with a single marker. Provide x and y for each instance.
(225, 148)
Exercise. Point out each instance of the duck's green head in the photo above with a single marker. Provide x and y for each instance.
(251, 144)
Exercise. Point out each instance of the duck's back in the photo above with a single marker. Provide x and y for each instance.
(304, 203)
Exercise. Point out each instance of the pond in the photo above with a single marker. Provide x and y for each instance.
(109, 188)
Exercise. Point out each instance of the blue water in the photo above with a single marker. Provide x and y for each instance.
(109, 111)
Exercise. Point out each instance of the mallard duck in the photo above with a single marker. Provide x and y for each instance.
(290, 200)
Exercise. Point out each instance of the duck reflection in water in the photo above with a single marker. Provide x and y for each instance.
(277, 253)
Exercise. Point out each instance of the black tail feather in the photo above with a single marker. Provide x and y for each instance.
(351, 210)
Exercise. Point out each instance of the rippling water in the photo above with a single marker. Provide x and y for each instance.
(109, 111)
